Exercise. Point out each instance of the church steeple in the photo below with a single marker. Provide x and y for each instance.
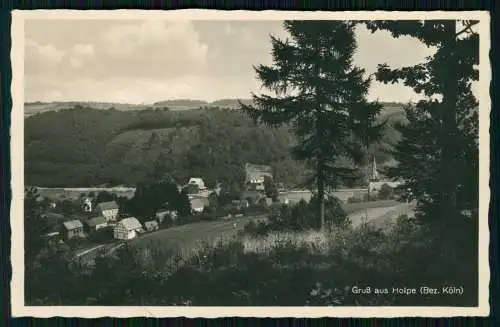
(374, 172)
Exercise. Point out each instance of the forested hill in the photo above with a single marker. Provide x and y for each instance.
(87, 147)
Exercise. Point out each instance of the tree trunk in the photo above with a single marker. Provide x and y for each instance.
(449, 123)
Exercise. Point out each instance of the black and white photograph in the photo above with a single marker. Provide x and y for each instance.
(203, 163)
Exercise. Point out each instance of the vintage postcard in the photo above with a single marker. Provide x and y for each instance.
(207, 163)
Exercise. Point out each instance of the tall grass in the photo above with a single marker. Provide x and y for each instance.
(313, 241)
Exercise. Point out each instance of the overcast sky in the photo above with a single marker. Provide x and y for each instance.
(146, 61)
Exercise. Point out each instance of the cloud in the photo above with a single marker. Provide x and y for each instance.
(76, 63)
(152, 48)
(152, 60)
(83, 49)
(40, 57)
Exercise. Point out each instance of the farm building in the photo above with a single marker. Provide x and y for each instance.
(96, 223)
(108, 210)
(198, 182)
(151, 225)
(72, 229)
(255, 173)
(198, 204)
(127, 229)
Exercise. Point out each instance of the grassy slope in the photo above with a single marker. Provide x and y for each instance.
(188, 238)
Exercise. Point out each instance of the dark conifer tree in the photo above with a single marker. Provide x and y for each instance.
(438, 154)
(322, 95)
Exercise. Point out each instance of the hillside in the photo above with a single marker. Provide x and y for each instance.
(86, 147)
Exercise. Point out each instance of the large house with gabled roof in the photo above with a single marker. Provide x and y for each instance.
(127, 229)
(108, 210)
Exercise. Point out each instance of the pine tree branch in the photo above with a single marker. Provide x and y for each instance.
(468, 27)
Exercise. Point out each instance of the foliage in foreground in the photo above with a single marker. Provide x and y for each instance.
(281, 268)
(299, 217)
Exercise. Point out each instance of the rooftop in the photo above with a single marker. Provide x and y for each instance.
(96, 221)
(130, 223)
(259, 168)
(72, 224)
(107, 205)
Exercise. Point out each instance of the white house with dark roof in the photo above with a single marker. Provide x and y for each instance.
(255, 174)
(127, 229)
(72, 229)
(108, 210)
(198, 182)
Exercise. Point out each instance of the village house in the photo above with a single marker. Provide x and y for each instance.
(198, 182)
(151, 225)
(199, 204)
(73, 229)
(108, 210)
(96, 223)
(255, 174)
(127, 229)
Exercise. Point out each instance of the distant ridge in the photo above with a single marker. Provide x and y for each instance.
(36, 107)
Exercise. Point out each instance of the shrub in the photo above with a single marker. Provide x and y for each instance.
(385, 192)
(255, 209)
(302, 216)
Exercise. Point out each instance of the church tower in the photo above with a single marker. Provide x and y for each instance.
(374, 172)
